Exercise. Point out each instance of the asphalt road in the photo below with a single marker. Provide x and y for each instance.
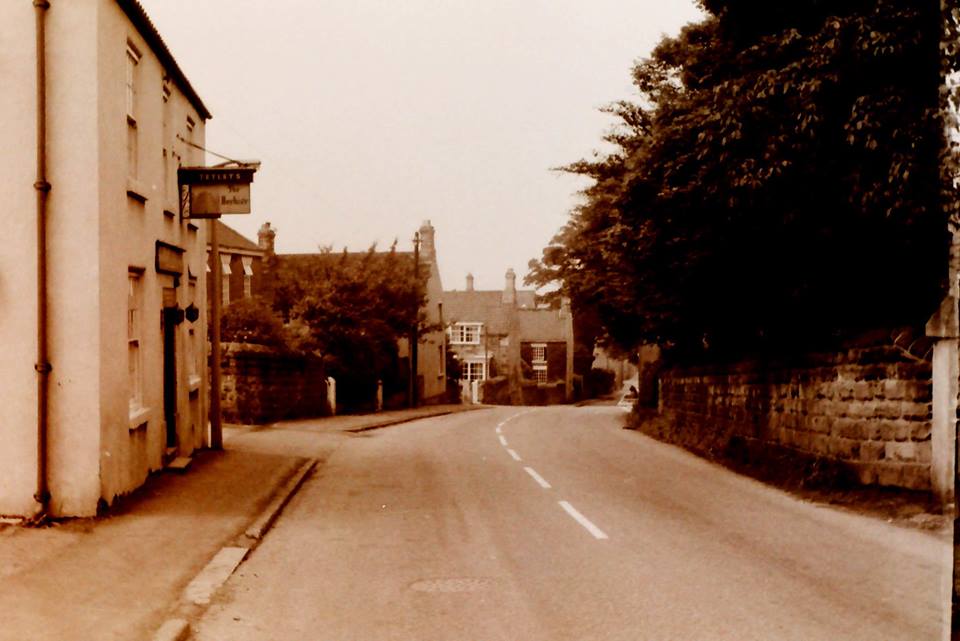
(555, 524)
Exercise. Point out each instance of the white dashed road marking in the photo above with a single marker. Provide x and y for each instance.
(536, 477)
(581, 519)
(516, 457)
(503, 441)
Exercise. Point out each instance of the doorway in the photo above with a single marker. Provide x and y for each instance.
(171, 317)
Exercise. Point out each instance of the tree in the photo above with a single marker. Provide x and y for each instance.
(777, 187)
(354, 308)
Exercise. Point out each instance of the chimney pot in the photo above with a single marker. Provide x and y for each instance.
(510, 288)
(265, 237)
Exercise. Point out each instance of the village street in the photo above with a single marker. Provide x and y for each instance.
(555, 523)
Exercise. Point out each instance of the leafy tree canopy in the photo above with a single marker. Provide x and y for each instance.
(778, 185)
(352, 308)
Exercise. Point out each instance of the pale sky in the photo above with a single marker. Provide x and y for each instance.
(371, 116)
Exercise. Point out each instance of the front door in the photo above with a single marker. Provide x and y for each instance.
(169, 323)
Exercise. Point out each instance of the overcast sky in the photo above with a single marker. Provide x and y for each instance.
(372, 116)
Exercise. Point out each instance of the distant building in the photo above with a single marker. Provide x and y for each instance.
(431, 361)
(127, 387)
(241, 264)
(504, 333)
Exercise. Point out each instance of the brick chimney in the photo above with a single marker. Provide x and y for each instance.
(510, 289)
(469, 282)
(265, 238)
(428, 248)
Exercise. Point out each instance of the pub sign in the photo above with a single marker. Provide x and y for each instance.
(209, 192)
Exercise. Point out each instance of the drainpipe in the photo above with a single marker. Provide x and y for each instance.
(42, 187)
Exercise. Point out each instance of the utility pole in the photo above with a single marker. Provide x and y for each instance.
(216, 427)
(415, 329)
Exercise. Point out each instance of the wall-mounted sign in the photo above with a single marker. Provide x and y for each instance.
(169, 259)
(213, 191)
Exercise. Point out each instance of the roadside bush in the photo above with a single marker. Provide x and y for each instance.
(598, 382)
(250, 320)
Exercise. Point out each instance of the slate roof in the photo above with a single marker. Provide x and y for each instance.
(329, 257)
(485, 306)
(541, 325)
(144, 25)
(232, 239)
(476, 307)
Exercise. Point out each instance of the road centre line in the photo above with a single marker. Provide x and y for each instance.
(516, 457)
(536, 477)
(503, 441)
(499, 428)
(582, 520)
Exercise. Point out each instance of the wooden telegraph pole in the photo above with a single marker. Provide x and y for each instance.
(414, 390)
(216, 424)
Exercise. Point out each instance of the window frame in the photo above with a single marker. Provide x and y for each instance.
(247, 262)
(131, 82)
(538, 352)
(466, 333)
(468, 370)
(135, 339)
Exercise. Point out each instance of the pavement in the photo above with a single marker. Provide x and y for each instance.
(147, 567)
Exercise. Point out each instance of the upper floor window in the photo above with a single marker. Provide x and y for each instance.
(225, 279)
(465, 333)
(191, 151)
(133, 62)
(133, 151)
(539, 352)
(247, 262)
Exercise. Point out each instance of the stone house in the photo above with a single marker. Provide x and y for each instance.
(101, 291)
(503, 333)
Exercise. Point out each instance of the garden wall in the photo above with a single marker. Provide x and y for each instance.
(867, 409)
(262, 386)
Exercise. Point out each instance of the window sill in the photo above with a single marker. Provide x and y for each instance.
(169, 213)
(193, 383)
(138, 418)
(136, 190)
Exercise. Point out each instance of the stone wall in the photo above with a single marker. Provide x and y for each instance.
(261, 386)
(543, 393)
(867, 409)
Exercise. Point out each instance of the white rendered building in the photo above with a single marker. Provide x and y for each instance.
(126, 389)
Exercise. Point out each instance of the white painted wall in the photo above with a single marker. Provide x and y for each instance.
(95, 234)
(17, 262)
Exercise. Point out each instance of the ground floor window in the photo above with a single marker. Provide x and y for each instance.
(540, 373)
(473, 371)
(134, 305)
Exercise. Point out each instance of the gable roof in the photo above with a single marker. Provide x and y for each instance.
(485, 306)
(541, 325)
(231, 238)
(325, 258)
(144, 25)
(476, 307)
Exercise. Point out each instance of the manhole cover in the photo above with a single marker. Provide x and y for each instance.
(451, 585)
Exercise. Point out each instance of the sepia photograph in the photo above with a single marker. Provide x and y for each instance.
(479, 320)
